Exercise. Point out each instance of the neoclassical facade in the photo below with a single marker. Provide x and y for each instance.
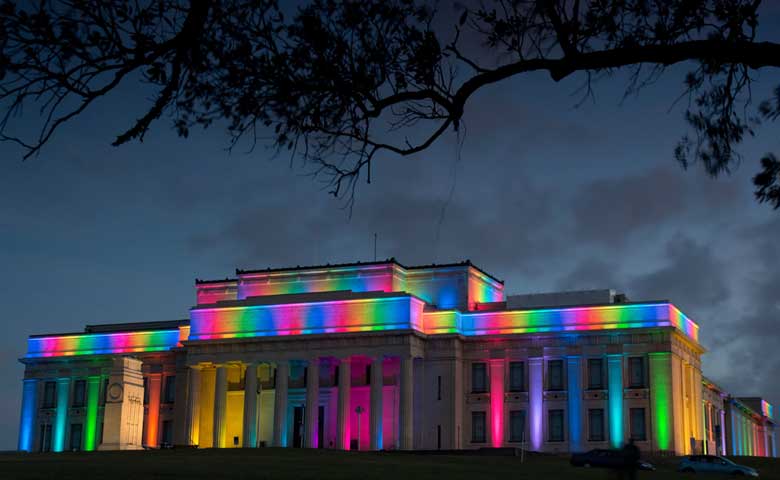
(372, 356)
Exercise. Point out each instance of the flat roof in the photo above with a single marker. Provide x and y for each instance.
(389, 261)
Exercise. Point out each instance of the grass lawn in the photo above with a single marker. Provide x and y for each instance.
(271, 463)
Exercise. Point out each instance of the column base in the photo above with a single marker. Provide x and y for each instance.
(119, 446)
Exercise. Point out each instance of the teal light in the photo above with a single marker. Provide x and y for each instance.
(61, 417)
(615, 372)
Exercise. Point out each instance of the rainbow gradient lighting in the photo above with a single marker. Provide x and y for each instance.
(766, 409)
(402, 312)
(102, 343)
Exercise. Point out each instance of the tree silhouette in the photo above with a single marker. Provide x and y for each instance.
(337, 82)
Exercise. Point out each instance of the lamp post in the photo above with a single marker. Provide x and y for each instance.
(359, 410)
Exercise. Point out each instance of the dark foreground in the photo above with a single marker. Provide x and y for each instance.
(272, 463)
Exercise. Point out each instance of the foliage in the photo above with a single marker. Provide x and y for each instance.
(337, 82)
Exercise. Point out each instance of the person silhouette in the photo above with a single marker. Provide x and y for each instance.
(630, 459)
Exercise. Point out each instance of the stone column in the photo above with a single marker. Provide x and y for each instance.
(342, 414)
(250, 406)
(61, 416)
(376, 404)
(220, 402)
(29, 412)
(154, 384)
(496, 402)
(535, 401)
(574, 397)
(661, 401)
(311, 431)
(407, 400)
(280, 403)
(615, 401)
(193, 406)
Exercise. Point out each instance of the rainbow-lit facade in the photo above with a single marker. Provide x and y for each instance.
(374, 356)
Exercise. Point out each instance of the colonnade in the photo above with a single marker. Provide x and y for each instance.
(201, 376)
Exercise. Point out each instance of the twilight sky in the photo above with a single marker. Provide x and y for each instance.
(544, 195)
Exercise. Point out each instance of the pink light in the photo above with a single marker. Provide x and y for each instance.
(497, 401)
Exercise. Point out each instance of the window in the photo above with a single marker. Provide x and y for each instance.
(368, 374)
(49, 392)
(555, 375)
(167, 432)
(478, 377)
(79, 393)
(638, 424)
(336, 376)
(75, 436)
(105, 392)
(516, 376)
(636, 372)
(438, 387)
(478, 427)
(146, 391)
(170, 389)
(595, 373)
(555, 425)
(517, 426)
(596, 424)
(45, 438)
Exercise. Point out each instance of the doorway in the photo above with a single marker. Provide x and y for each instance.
(298, 425)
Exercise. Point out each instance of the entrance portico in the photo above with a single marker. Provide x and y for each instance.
(351, 391)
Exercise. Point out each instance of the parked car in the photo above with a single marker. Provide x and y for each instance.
(714, 464)
(601, 457)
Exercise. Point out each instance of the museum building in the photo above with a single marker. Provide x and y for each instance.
(378, 355)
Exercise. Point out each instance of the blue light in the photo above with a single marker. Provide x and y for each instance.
(575, 403)
(27, 421)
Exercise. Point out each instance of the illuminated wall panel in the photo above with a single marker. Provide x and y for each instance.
(102, 343)
(378, 314)
(61, 416)
(90, 429)
(615, 403)
(364, 278)
(29, 410)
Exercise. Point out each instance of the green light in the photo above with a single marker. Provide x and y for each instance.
(661, 395)
(93, 385)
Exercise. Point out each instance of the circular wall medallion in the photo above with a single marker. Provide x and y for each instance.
(115, 391)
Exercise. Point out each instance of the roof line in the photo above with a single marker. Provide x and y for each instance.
(390, 260)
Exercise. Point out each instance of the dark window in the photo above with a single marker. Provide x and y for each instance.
(478, 427)
(336, 374)
(516, 376)
(555, 375)
(75, 436)
(79, 393)
(636, 372)
(596, 425)
(368, 374)
(49, 394)
(167, 432)
(438, 437)
(438, 388)
(45, 439)
(517, 425)
(170, 389)
(478, 377)
(595, 373)
(105, 392)
(146, 391)
(555, 425)
(638, 424)
(100, 433)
